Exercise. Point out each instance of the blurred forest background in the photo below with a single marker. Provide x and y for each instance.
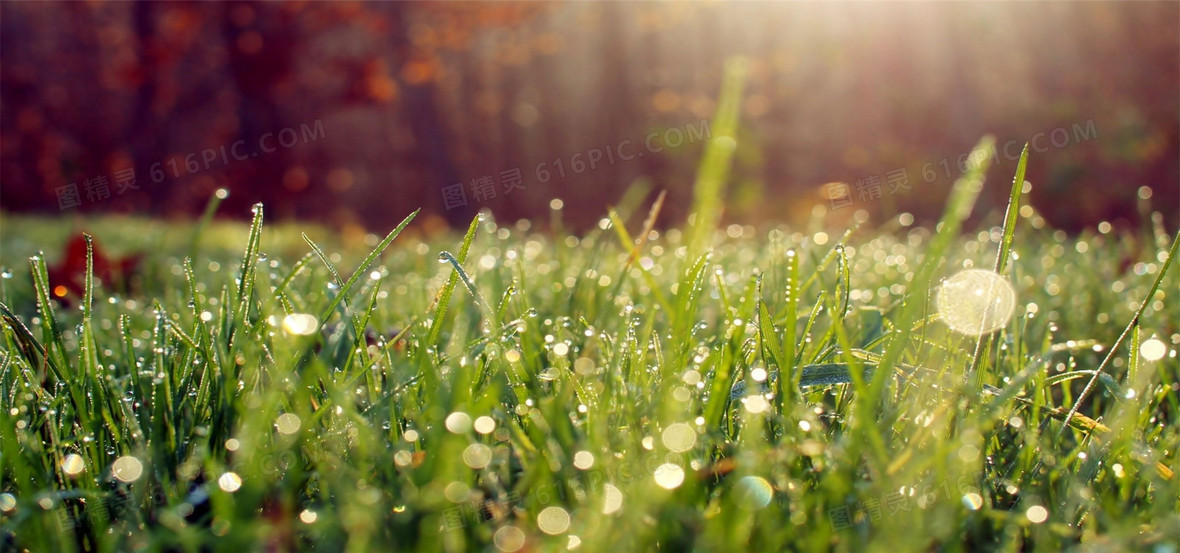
(355, 113)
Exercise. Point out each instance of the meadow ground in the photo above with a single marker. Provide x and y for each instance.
(256, 390)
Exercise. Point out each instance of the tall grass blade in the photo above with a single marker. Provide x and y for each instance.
(361, 270)
(1155, 286)
(1010, 214)
(714, 169)
(245, 285)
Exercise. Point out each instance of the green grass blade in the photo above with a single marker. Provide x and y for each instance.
(203, 222)
(708, 190)
(346, 288)
(1155, 286)
(959, 206)
(1010, 214)
(444, 298)
(982, 343)
(245, 285)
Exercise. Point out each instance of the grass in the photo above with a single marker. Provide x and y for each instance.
(790, 389)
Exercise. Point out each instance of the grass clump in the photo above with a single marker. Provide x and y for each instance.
(783, 390)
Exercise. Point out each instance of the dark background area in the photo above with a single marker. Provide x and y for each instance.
(372, 110)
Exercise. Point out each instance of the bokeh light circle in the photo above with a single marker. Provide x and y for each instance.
(976, 302)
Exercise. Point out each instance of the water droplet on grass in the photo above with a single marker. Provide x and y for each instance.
(612, 499)
(669, 476)
(300, 324)
(288, 423)
(553, 520)
(1037, 514)
(753, 492)
(972, 501)
(509, 539)
(1153, 349)
(755, 404)
(583, 460)
(679, 437)
(127, 469)
(73, 464)
(549, 374)
(477, 456)
(458, 422)
(230, 482)
(483, 425)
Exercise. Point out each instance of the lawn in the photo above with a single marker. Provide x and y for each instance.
(518, 389)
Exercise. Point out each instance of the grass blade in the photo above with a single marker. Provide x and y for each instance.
(364, 266)
(1005, 251)
(714, 169)
(1167, 263)
(246, 274)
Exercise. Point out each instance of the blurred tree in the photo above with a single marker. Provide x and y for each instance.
(417, 97)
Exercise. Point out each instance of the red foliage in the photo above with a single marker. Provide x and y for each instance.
(67, 279)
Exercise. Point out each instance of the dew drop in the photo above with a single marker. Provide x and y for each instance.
(583, 460)
(127, 469)
(973, 501)
(612, 499)
(553, 520)
(679, 437)
(230, 482)
(483, 425)
(1153, 349)
(669, 476)
(509, 538)
(300, 324)
(753, 492)
(1037, 514)
(477, 456)
(458, 422)
(73, 464)
(288, 423)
